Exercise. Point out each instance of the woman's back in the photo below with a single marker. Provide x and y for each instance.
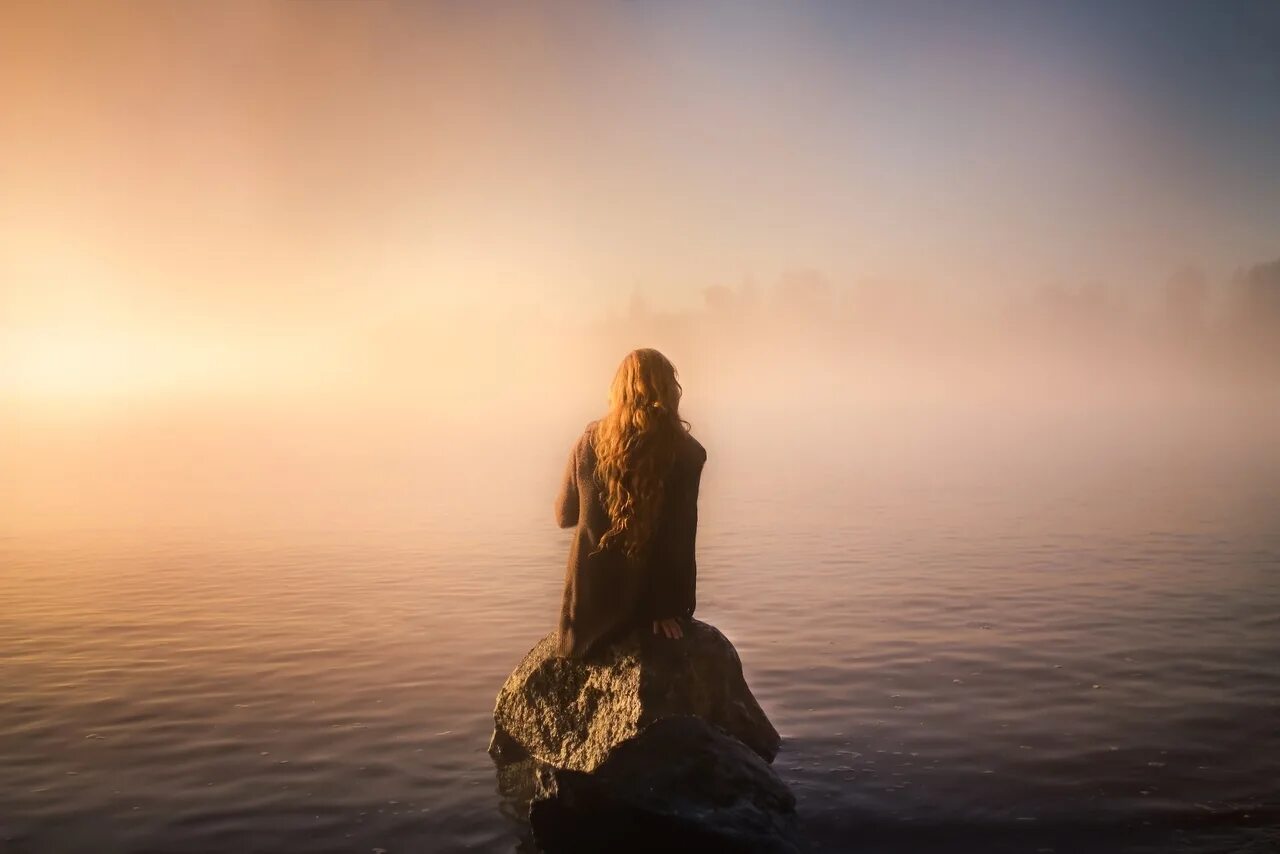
(606, 592)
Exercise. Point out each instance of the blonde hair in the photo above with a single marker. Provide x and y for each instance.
(635, 444)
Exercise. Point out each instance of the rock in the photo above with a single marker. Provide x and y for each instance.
(569, 713)
(681, 784)
(654, 743)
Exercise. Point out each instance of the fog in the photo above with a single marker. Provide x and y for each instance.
(341, 267)
(429, 420)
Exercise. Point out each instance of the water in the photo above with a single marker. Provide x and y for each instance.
(974, 644)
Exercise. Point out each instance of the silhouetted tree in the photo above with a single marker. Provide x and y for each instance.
(1260, 293)
(1185, 295)
(803, 292)
(1255, 315)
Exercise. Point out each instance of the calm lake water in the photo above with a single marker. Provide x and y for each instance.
(1066, 645)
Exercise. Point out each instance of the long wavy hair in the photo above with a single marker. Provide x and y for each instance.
(635, 444)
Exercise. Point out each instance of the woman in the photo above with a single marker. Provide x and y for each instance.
(631, 489)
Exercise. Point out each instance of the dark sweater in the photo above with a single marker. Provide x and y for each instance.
(606, 595)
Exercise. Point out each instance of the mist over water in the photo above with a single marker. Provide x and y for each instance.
(983, 607)
(1002, 577)
(392, 421)
(977, 312)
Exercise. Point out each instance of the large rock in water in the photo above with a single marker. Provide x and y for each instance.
(569, 713)
(680, 784)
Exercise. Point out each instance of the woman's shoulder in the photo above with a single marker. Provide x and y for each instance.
(585, 438)
(695, 450)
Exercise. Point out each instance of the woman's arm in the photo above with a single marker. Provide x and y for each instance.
(567, 500)
(675, 591)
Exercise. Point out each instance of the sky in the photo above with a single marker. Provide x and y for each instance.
(209, 205)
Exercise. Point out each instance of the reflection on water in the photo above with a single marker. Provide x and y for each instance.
(1049, 651)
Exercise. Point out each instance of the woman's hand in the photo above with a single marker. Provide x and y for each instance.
(669, 627)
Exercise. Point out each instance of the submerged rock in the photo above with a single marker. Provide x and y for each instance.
(569, 713)
(681, 783)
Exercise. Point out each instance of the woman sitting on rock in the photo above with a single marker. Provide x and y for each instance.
(631, 490)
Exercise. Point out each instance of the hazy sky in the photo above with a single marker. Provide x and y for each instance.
(198, 184)
(206, 201)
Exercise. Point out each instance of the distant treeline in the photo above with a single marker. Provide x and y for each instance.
(1190, 328)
